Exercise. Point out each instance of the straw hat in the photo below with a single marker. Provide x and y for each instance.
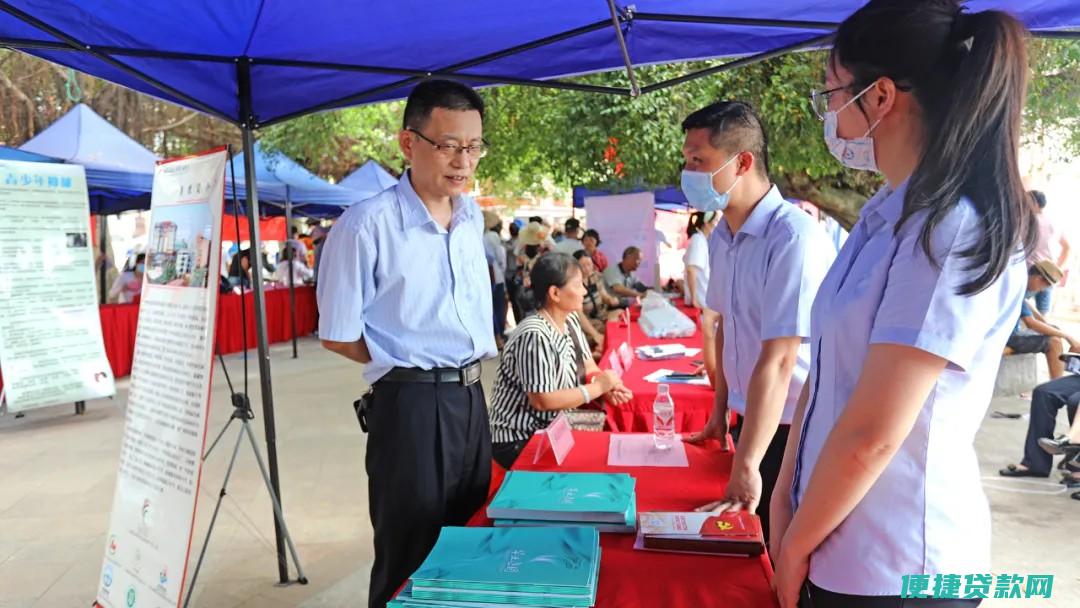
(533, 234)
(491, 220)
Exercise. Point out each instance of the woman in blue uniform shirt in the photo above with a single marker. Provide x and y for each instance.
(909, 325)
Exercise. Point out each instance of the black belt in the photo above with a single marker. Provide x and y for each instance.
(470, 374)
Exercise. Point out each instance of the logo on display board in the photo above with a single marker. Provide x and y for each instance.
(107, 576)
(112, 545)
(163, 576)
(131, 596)
(147, 513)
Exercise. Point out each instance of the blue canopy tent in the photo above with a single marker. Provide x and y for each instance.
(369, 179)
(258, 62)
(303, 191)
(9, 153)
(119, 170)
(668, 198)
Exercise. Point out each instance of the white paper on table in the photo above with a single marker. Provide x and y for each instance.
(638, 450)
(661, 375)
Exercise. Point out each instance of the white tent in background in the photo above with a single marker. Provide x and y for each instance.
(370, 179)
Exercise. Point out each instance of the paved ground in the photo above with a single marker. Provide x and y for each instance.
(58, 473)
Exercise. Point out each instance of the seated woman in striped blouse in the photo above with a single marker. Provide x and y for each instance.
(545, 363)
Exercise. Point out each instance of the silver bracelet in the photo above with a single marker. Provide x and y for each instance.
(584, 393)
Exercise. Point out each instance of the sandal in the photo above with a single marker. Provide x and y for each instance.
(1070, 480)
(1014, 470)
(1058, 445)
(1075, 495)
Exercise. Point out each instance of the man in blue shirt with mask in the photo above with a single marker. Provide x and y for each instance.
(404, 289)
(767, 258)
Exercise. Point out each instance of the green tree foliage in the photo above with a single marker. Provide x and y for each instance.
(541, 137)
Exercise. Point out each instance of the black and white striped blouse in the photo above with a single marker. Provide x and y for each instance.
(537, 359)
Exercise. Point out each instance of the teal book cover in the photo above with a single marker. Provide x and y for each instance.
(428, 597)
(627, 526)
(525, 560)
(595, 497)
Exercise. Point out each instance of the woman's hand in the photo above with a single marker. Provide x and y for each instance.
(791, 571)
(779, 518)
(607, 380)
(619, 395)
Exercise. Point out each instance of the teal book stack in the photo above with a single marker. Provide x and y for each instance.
(604, 500)
(482, 567)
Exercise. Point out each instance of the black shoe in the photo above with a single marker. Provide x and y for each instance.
(1059, 445)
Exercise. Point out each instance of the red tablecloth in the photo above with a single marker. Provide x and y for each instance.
(693, 404)
(119, 322)
(630, 578)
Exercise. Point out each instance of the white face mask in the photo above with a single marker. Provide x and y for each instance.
(855, 153)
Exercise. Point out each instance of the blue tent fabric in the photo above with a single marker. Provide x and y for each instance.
(319, 54)
(309, 194)
(119, 170)
(667, 198)
(369, 179)
(9, 153)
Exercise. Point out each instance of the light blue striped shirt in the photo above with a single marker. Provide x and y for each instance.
(763, 281)
(418, 294)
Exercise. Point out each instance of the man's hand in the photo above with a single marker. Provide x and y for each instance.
(716, 428)
(1074, 344)
(743, 492)
(619, 395)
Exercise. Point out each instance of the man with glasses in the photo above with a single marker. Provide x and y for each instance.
(404, 289)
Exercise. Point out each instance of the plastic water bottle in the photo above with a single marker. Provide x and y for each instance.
(663, 418)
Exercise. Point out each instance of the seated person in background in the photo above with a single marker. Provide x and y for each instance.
(590, 242)
(597, 304)
(620, 278)
(128, 286)
(292, 257)
(1040, 336)
(543, 368)
(1040, 446)
(240, 269)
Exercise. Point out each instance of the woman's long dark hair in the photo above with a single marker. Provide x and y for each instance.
(968, 73)
(697, 222)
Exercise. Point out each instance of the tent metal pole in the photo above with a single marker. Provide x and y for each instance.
(738, 63)
(112, 61)
(740, 21)
(514, 50)
(243, 71)
(102, 264)
(635, 90)
(292, 256)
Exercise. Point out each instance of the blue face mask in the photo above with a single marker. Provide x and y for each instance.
(140, 267)
(699, 191)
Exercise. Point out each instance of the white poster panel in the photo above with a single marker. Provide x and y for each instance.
(51, 350)
(624, 220)
(157, 485)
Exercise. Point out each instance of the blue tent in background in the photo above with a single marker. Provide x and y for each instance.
(369, 180)
(668, 198)
(119, 170)
(9, 153)
(307, 193)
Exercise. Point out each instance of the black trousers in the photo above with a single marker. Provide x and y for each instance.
(769, 468)
(1046, 400)
(816, 597)
(429, 465)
